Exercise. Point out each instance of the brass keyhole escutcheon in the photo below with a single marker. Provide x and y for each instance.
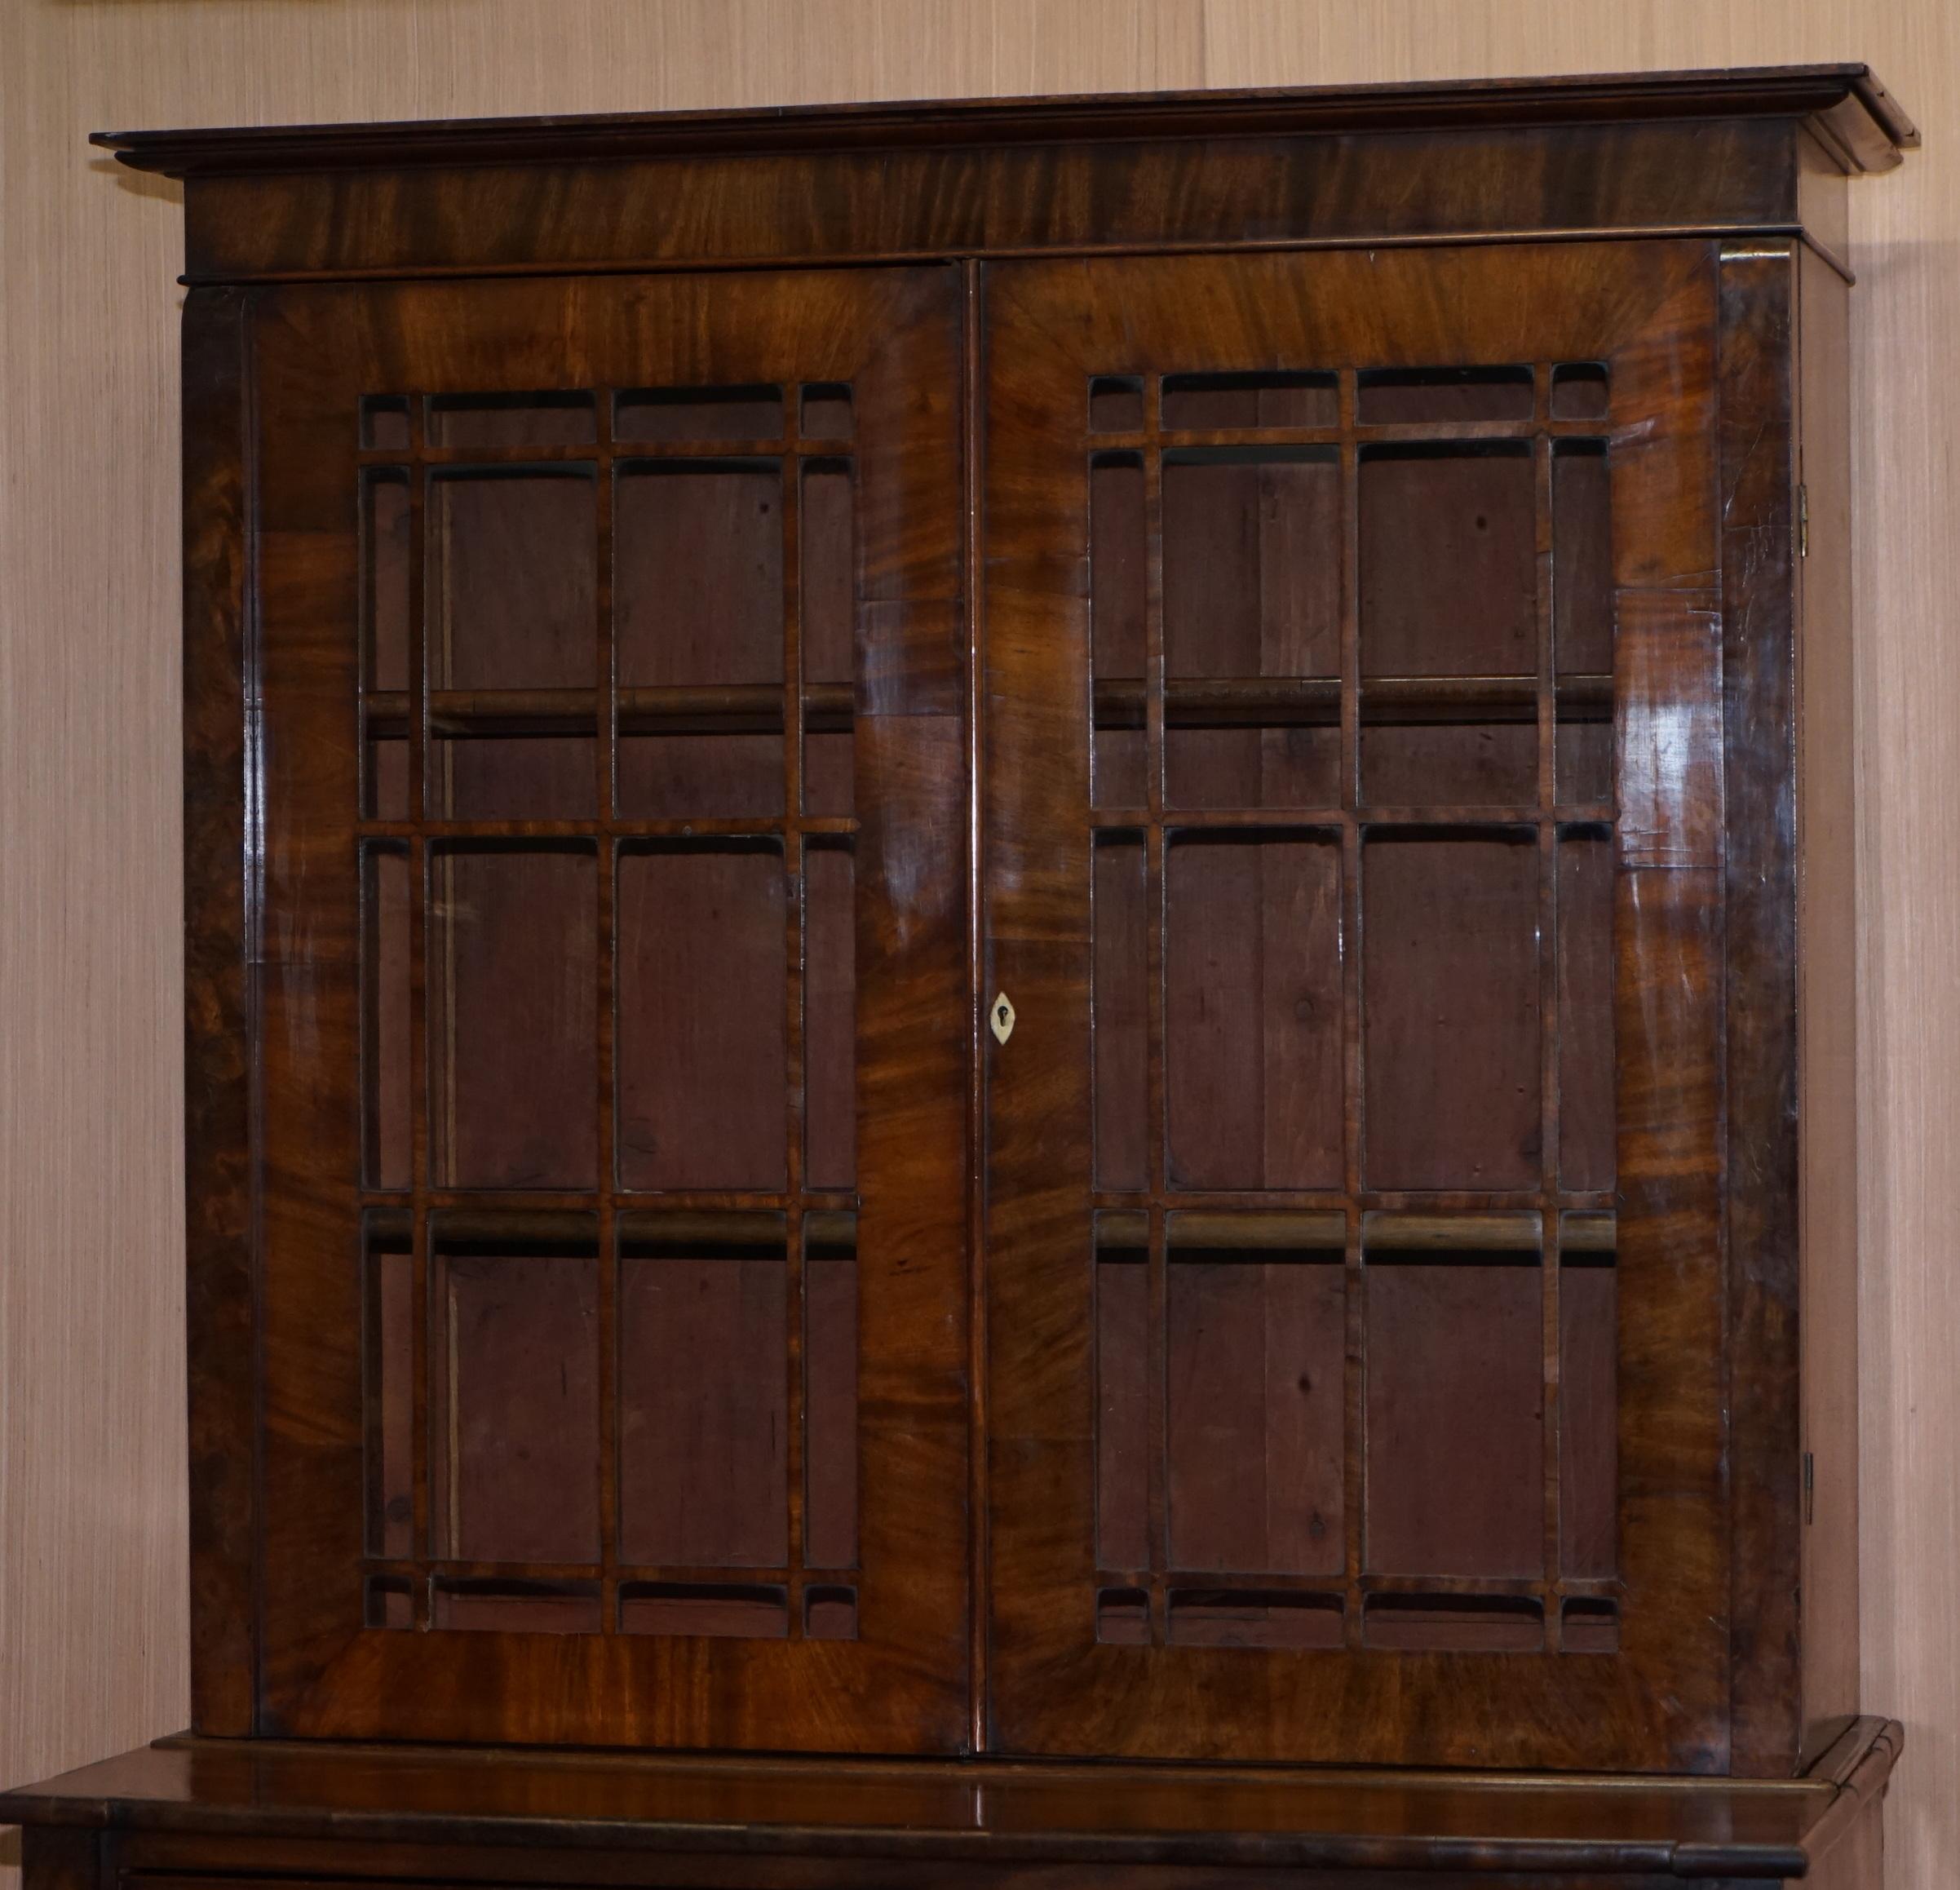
(1000, 1017)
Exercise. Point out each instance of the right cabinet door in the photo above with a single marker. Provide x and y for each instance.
(1352, 793)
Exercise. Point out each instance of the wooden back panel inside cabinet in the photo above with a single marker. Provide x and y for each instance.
(1355, 865)
(609, 745)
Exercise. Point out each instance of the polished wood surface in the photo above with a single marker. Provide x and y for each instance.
(1578, 158)
(1312, 175)
(1830, 1026)
(1471, 496)
(813, 1822)
(1061, 1685)
(599, 1014)
(1758, 674)
(1474, 507)
(1865, 126)
(220, 1006)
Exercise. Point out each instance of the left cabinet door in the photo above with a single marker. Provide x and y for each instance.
(599, 690)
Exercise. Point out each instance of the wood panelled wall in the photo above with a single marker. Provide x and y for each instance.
(92, 1604)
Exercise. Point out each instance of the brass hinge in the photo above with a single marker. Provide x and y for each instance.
(1810, 1487)
(1803, 521)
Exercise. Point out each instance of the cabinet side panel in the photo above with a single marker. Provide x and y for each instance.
(1758, 664)
(219, 1190)
(1827, 1013)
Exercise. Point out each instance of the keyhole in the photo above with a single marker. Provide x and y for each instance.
(1001, 1021)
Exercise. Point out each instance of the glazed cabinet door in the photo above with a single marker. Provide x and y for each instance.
(604, 718)
(1354, 867)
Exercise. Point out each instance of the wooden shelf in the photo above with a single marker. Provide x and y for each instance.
(720, 709)
(1506, 1232)
(1205, 702)
(1315, 701)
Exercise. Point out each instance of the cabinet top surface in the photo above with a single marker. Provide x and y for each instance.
(990, 1809)
(1866, 126)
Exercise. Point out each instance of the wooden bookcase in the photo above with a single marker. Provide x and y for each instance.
(1019, 954)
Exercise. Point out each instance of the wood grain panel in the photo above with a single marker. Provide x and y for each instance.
(92, 1652)
(1651, 308)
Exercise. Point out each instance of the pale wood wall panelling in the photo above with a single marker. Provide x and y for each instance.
(91, 1453)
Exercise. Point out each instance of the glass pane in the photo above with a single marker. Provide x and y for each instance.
(516, 1607)
(1582, 618)
(385, 559)
(513, 1399)
(1122, 1399)
(1592, 1626)
(703, 1393)
(1116, 404)
(1421, 749)
(829, 1613)
(1588, 1118)
(703, 413)
(1251, 623)
(1448, 550)
(1119, 557)
(388, 1601)
(829, 1018)
(702, 1053)
(1250, 400)
(513, 1066)
(512, 579)
(1256, 1332)
(1589, 1443)
(1122, 1026)
(540, 419)
(390, 1379)
(1253, 1011)
(1252, 1617)
(698, 614)
(543, 777)
(827, 413)
(1455, 1400)
(1122, 1617)
(720, 1609)
(1450, 1018)
(384, 423)
(384, 788)
(1428, 396)
(829, 626)
(1448, 592)
(1454, 1623)
(830, 1392)
(1579, 392)
(387, 897)
(384, 497)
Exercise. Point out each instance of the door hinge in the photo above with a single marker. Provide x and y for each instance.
(1810, 1487)
(1802, 520)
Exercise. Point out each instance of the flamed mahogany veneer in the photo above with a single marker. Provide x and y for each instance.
(1019, 984)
